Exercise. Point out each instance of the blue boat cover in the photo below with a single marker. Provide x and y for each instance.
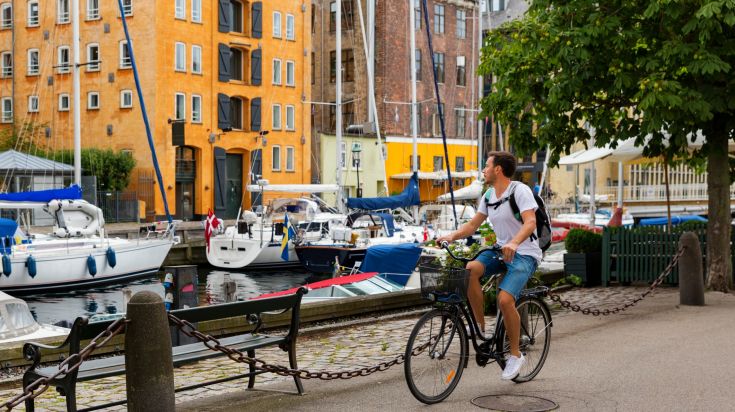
(409, 197)
(72, 192)
(675, 220)
(392, 259)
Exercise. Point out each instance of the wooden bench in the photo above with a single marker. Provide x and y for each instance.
(112, 366)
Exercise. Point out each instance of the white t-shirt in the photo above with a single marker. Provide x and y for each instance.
(505, 224)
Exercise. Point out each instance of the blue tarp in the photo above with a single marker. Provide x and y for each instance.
(72, 192)
(409, 197)
(392, 259)
(675, 220)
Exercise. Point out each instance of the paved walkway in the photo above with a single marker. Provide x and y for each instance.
(354, 347)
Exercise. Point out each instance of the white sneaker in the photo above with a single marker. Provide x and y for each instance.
(513, 367)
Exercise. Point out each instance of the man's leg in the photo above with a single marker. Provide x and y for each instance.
(511, 320)
(474, 292)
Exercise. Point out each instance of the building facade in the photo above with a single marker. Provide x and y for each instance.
(223, 80)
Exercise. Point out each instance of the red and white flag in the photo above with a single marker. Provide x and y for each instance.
(209, 225)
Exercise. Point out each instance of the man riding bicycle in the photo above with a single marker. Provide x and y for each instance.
(520, 250)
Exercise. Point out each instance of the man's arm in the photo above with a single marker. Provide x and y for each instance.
(465, 230)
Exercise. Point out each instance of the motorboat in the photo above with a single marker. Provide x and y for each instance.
(602, 218)
(18, 325)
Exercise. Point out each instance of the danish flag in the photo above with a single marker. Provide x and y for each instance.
(209, 225)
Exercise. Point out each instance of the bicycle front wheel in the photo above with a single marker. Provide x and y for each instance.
(435, 356)
(534, 341)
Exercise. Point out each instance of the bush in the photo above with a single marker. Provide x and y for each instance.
(112, 169)
(583, 241)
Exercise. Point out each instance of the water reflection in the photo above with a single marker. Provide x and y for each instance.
(252, 284)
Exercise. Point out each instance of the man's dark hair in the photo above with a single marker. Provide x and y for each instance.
(505, 160)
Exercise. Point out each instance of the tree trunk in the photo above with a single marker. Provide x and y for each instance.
(719, 264)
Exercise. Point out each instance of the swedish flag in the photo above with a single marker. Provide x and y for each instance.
(288, 234)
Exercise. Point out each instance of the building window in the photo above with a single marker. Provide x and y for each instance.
(290, 27)
(290, 151)
(125, 61)
(7, 64)
(460, 115)
(459, 164)
(348, 65)
(63, 102)
(62, 61)
(436, 126)
(313, 68)
(196, 108)
(290, 118)
(461, 71)
(461, 24)
(418, 161)
(7, 104)
(277, 24)
(236, 113)
(496, 5)
(93, 9)
(236, 65)
(196, 11)
(180, 9)
(438, 163)
(32, 104)
(180, 57)
(347, 15)
(439, 67)
(93, 101)
(6, 16)
(196, 59)
(438, 18)
(180, 106)
(93, 57)
(276, 117)
(417, 13)
(348, 115)
(236, 16)
(33, 14)
(418, 64)
(290, 75)
(33, 65)
(62, 12)
(332, 16)
(126, 99)
(332, 67)
(276, 71)
(276, 158)
(127, 7)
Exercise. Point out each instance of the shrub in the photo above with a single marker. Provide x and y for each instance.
(583, 241)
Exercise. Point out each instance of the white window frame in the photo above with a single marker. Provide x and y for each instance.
(127, 7)
(461, 15)
(32, 70)
(6, 71)
(179, 57)
(196, 58)
(196, 113)
(126, 94)
(61, 65)
(93, 13)
(124, 63)
(290, 27)
(290, 125)
(276, 159)
(33, 21)
(7, 116)
(277, 72)
(6, 23)
(176, 106)
(180, 9)
(290, 158)
(64, 97)
(277, 32)
(33, 104)
(90, 106)
(63, 18)
(196, 11)
(93, 65)
(276, 121)
(290, 74)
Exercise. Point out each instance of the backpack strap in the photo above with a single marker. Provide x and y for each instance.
(517, 212)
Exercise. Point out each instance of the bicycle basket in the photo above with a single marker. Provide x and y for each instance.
(443, 284)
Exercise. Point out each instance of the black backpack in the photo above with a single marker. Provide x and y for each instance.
(543, 222)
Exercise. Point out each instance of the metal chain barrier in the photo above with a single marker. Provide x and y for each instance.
(69, 365)
(188, 329)
(605, 312)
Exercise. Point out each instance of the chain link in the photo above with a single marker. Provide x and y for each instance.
(68, 366)
(605, 312)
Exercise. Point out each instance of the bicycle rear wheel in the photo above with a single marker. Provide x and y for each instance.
(534, 341)
(435, 356)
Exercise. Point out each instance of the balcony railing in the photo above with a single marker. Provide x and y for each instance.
(657, 193)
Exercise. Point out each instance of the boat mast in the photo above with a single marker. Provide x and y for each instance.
(338, 104)
(75, 94)
(414, 109)
(480, 123)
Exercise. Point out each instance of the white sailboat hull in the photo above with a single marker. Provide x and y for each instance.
(239, 251)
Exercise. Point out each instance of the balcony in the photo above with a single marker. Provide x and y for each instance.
(690, 192)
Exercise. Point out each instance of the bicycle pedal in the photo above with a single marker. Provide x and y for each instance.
(481, 359)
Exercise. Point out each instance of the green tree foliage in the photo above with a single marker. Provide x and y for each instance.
(659, 71)
(112, 169)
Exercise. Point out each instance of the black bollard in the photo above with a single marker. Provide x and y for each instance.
(691, 279)
(148, 361)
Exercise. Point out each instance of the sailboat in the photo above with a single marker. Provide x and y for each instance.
(77, 253)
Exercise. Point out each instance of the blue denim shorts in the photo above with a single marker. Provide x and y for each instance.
(519, 270)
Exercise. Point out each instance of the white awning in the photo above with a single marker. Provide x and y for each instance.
(625, 151)
(438, 175)
(324, 188)
(473, 191)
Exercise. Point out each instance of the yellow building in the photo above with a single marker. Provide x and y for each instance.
(228, 71)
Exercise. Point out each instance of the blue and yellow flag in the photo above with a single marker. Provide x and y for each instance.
(288, 234)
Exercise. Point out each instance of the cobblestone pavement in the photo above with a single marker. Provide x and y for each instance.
(338, 349)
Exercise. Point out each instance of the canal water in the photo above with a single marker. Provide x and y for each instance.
(65, 307)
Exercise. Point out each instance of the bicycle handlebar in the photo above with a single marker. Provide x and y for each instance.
(445, 246)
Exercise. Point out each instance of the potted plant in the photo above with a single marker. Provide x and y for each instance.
(584, 256)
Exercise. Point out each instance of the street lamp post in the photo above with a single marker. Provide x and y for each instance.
(356, 149)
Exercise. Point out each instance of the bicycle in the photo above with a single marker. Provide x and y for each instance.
(438, 350)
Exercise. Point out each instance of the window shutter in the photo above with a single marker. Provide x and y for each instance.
(255, 114)
(257, 20)
(256, 67)
(223, 112)
(220, 181)
(224, 16)
(225, 64)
